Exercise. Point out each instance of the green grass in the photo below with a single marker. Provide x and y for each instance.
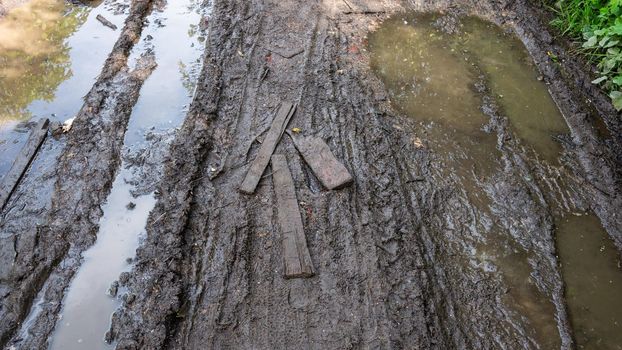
(598, 25)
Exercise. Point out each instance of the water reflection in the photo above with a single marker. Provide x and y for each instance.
(83, 47)
(34, 56)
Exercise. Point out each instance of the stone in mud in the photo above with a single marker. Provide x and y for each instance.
(114, 289)
(56, 128)
(128, 298)
(124, 277)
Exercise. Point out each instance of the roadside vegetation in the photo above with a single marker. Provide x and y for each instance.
(598, 25)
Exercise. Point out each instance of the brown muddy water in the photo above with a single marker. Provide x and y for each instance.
(176, 40)
(438, 72)
(51, 52)
(593, 282)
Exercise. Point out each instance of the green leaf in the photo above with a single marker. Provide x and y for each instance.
(591, 42)
(617, 80)
(599, 80)
(616, 99)
(611, 43)
(610, 63)
(604, 41)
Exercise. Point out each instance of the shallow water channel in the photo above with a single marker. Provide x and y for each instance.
(453, 76)
(174, 36)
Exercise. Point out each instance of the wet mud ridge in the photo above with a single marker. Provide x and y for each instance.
(399, 258)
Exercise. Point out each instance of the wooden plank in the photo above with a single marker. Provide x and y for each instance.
(106, 22)
(331, 173)
(23, 160)
(296, 258)
(268, 146)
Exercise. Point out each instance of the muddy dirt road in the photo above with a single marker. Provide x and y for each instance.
(463, 229)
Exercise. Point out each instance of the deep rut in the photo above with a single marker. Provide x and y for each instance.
(81, 181)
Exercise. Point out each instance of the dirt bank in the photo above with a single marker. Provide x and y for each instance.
(394, 253)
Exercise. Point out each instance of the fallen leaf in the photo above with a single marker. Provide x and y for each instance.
(417, 142)
(68, 124)
(353, 49)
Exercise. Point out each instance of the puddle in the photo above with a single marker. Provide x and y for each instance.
(434, 76)
(178, 43)
(591, 268)
(174, 37)
(51, 52)
(437, 78)
(34, 53)
(86, 306)
(501, 254)
(513, 77)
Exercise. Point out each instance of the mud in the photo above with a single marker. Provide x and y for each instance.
(388, 251)
(412, 255)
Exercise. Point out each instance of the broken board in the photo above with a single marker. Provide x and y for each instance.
(268, 146)
(106, 22)
(331, 173)
(23, 160)
(296, 257)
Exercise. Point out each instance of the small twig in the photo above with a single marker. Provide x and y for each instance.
(264, 74)
(158, 219)
(270, 174)
(290, 55)
(248, 149)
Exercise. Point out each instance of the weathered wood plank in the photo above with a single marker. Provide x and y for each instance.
(296, 258)
(268, 146)
(106, 22)
(23, 160)
(331, 173)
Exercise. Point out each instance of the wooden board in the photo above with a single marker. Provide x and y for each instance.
(268, 146)
(296, 257)
(331, 173)
(23, 160)
(106, 22)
